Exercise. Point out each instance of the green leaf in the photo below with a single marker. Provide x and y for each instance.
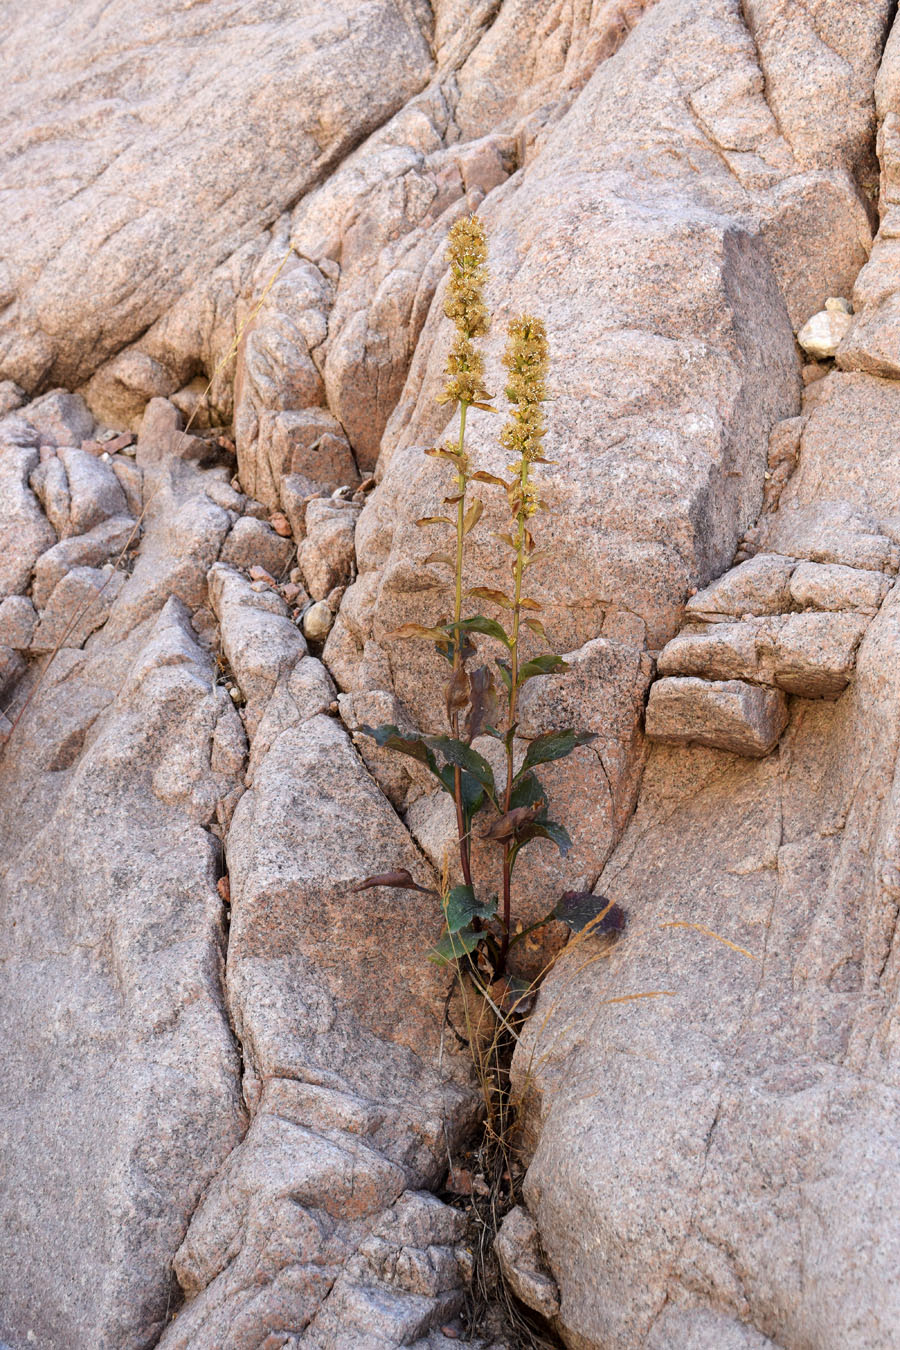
(457, 752)
(453, 946)
(582, 909)
(471, 789)
(479, 623)
(547, 664)
(554, 745)
(389, 737)
(547, 829)
(527, 791)
(462, 907)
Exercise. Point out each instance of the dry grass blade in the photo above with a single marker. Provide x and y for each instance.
(708, 932)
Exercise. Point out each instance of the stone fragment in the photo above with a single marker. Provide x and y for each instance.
(60, 418)
(162, 436)
(50, 484)
(832, 532)
(295, 493)
(24, 528)
(259, 640)
(12, 666)
(254, 542)
(120, 391)
(821, 335)
(111, 446)
(131, 480)
(11, 397)
(831, 586)
(518, 1249)
(17, 621)
(104, 542)
(759, 586)
(726, 715)
(80, 604)
(310, 442)
(95, 493)
(220, 491)
(815, 653)
(327, 555)
(721, 651)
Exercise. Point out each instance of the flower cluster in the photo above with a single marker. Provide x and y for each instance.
(526, 360)
(464, 304)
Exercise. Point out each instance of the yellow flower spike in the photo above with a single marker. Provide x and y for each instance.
(526, 359)
(464, 304)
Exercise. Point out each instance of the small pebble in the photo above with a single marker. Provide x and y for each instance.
(235, 694)
(317, 621)
(280, 524)
(821, 335)
(258, 573)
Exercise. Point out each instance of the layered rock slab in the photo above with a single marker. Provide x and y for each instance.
(120, 1081)
(777, 1097)
(310, 1229)
(96, 254)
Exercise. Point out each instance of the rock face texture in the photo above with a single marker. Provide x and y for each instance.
(228, 1096)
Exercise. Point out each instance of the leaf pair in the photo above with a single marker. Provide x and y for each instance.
(455, 753)
(462, 910)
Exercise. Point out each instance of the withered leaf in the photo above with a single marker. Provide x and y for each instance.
(482, 477)
(456, 693)
(441, 558)
(483, 698)
(516, 819)
(489, 593)
(418, 630)
(537, 627)
(473, 515)
(400, 880)
(434, 520)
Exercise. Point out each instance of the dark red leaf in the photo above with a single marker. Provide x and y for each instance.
(401, 880)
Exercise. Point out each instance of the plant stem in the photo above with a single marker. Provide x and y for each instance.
(458, 642)
(513, 709)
